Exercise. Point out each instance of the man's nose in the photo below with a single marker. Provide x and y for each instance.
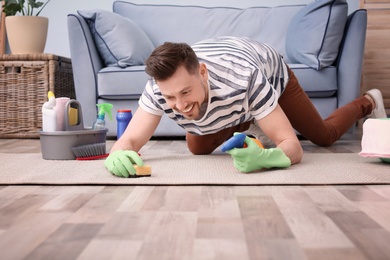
(181, 104)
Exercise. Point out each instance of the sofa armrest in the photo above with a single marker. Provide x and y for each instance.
(350, 59)
(86, 63)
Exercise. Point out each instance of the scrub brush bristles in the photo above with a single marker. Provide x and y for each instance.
(90, 151)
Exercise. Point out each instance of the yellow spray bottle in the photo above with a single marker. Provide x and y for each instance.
(104, 108)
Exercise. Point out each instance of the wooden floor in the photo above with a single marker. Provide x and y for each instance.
(194, 222)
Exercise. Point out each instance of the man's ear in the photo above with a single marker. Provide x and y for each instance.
(203, 71)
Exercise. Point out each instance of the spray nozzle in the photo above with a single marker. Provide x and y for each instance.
(105, 108)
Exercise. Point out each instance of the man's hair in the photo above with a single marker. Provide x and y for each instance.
(167, 58)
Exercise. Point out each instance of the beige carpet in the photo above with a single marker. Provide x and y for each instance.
(186, 169)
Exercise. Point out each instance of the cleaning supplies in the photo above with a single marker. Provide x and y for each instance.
(49, 116)
(238, 141)
(58, 145)
(104, 108)
(73, 116)
(90, 151)
(123, 117)
(60, 109)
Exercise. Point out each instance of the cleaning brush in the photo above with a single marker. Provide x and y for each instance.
(90, 151)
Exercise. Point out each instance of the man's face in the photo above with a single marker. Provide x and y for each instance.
(185, 93)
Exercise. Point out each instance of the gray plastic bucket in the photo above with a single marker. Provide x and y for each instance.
(57, 145)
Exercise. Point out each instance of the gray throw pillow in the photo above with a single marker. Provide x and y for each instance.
(315, 33)
(120, 41)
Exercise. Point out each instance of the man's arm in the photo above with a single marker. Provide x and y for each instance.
(278, 128)
(138, 132)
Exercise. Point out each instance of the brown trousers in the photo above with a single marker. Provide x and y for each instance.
(302, 115)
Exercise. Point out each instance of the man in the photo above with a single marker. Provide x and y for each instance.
(226, 85)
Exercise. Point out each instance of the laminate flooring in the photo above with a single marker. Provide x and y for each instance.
(194, 222)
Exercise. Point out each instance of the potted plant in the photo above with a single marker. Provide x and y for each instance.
(26, 30)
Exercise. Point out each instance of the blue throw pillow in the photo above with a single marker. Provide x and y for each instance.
(120, 41)
(315, 33)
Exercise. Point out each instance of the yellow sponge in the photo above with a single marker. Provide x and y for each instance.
(145, 170)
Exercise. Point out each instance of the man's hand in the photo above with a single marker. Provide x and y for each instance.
(120, 163)
(254, 158)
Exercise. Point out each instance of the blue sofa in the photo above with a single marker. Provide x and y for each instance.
(321, 42)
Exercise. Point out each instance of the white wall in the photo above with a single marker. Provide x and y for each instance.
(57, 11)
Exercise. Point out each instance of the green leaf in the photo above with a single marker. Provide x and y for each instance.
(12, 7)
(35, 4)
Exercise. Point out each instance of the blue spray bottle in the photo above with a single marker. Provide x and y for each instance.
(104, 108)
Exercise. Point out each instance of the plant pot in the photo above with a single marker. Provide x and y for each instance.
(26, 34)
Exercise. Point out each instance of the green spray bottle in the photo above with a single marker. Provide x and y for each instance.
(104, 108)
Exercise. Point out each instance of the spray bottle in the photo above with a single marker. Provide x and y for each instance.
(238, 141)
(49, 117)
(104, 108)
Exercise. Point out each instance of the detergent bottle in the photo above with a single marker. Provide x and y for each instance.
(123, 117)
(238, 141)
(104, 108)
(49, 117)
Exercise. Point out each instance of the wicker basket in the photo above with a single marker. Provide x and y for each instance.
(24, 83)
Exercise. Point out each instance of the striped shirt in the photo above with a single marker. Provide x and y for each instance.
(246, 79)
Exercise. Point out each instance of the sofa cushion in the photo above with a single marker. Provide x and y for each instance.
(315, 33)
(122, 83)
(190, 24)
(120, 41)
(129, 82)
(316, 83)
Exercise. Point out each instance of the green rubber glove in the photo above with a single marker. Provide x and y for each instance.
(254, 158)
(120, 163)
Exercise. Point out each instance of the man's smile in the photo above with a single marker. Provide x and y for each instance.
(188, 109)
